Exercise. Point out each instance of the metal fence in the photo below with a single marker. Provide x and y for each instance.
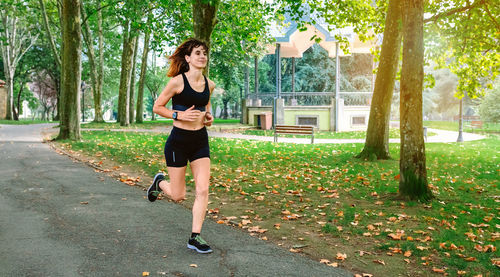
(315, 98)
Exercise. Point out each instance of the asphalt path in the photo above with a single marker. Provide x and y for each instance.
(61, 218)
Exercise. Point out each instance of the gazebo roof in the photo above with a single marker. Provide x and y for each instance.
(293, 42)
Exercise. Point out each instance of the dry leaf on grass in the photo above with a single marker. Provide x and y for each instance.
(439, 270)
(193, 265)
(379, 262)
(341, 256)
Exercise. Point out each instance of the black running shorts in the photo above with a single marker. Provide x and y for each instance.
(185, 145)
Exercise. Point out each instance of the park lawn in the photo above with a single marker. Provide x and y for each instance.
(147, 124)
(393, 133)
(488, 127)
(320, 201)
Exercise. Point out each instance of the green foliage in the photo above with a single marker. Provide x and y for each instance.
(463, 41)
(489, 109)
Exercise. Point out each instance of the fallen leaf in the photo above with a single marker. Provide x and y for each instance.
(407, 253)
(341, 256)
(496, 261)
(439, 270)
(395, 236)
(145, 273)
(193, 265)
(379, 262)
(470, 259)
(461, 272)
(489, 247)
(84, 203)
(324, 261)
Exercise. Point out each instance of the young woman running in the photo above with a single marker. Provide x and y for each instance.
(190, 93)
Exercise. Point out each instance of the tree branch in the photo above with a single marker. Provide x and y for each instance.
(51, 37)
(491, 16)
(454, 11)
(98, 9)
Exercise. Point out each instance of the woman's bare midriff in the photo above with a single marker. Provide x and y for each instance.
(191, 125)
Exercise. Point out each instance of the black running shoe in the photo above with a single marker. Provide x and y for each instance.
(154, 190)
(199, 244)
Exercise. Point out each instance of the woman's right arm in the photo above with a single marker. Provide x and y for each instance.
(174, 86)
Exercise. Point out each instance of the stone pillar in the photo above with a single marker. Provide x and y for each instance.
(3, 102)
(279, 111)
(244, 110)
(333, 112)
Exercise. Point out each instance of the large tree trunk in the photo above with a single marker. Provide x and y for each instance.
(123, 94)
(412, 170)
(204, 20)
(71, 71)
(132, 84)
(87, 35)
(144, 65)
(377, 135)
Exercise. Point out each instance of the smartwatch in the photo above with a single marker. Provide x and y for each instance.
(174, 116)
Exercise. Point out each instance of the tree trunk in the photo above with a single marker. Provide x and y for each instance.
(204, 20)
(87, 35)
(153, 115)
(123, 94)
(17, 110)
(377, 135)
(132, 83)
(144, 65)
(412, 170)
(100, 75)
(225, 108)
(69, 126)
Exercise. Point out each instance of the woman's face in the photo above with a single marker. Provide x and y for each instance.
(198, 57)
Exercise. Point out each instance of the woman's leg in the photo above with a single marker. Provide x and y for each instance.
(176, 188)
(201, 173)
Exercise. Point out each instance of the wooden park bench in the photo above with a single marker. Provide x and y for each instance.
(294, 130)
(476, 124)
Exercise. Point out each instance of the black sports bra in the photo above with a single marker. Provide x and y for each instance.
(189, 97)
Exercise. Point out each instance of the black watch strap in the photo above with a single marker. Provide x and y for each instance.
(174, 116)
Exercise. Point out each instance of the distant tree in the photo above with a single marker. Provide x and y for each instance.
(17, 36)
(156, 78)
(489, 108)
(45, 89)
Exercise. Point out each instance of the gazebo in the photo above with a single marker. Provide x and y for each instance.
(292, 43)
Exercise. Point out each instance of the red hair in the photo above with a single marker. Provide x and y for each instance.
(178, 63)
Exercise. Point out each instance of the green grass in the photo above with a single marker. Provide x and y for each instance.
(25, 121)
(161, 122)
(393, 133)
(324, 183)
(488, 127)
